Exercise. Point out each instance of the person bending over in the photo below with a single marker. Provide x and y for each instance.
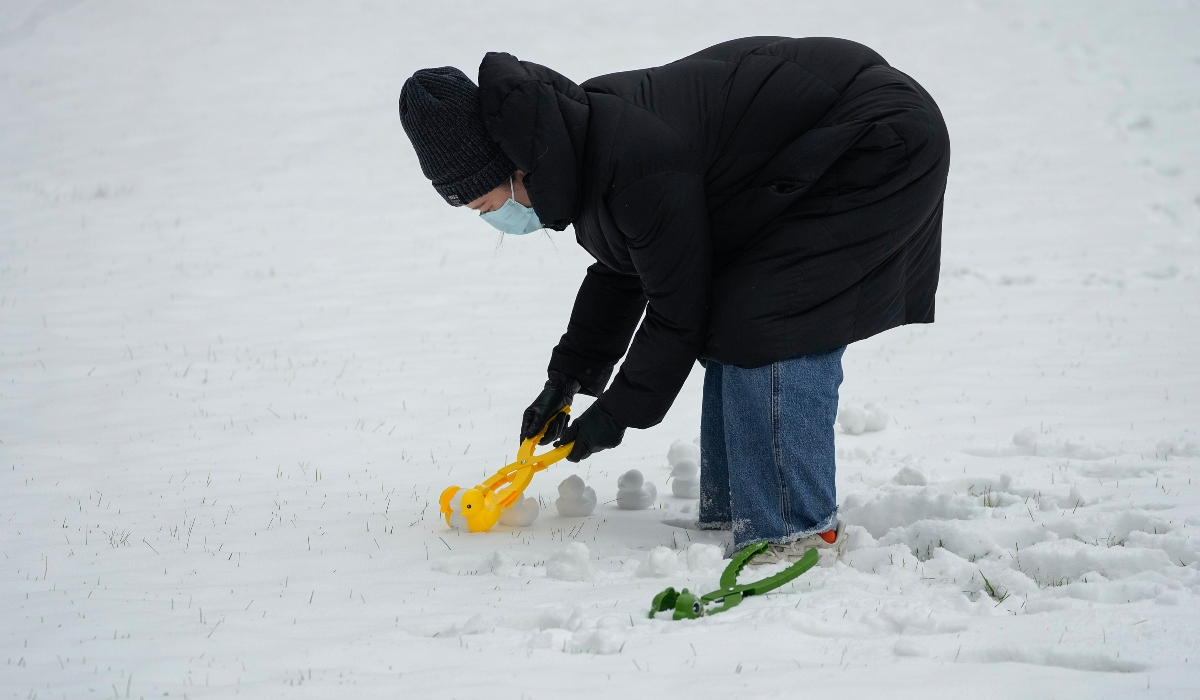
(756, 206)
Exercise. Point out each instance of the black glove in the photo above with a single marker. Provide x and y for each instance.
(595, 430)
(558, 392)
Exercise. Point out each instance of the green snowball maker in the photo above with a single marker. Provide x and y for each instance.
(688, 606)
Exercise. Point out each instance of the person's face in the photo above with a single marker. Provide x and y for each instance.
(496, 198)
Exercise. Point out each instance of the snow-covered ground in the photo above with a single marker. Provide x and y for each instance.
(244, 346)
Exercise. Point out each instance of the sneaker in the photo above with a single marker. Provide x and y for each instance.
(831, 541)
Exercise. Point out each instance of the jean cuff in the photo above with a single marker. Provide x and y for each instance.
(745, 526)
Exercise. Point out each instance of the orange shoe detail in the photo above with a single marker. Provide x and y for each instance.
(830, 536)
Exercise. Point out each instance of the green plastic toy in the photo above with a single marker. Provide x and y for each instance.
(689, 607)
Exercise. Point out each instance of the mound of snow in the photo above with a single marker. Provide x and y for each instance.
(901, 508)
(502, 563)
(634, 492)
(856, 420)
(910, 476)
(703, 558)
(1177, 448)
(663, 561)
(522, 513)
(571, 563)
(606, 637)
(1060, 561)
(575, 498)
(685, 478)
(683, 450)
(1026, 442)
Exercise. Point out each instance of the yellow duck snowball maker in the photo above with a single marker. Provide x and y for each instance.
(478, 508)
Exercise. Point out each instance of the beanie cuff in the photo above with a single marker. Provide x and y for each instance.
(465, 190)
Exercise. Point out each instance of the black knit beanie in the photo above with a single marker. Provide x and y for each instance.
(439, 108)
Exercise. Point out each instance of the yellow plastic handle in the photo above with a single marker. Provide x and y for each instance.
(525, 451)
(526, 459)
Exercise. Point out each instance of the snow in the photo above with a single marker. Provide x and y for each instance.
(684, 459)
(522, 513)
(877, 417)
(685, 478)
(703, 558)
(856, 420)
(244, 346)
(681, 449)
(571, 563)
(575, 498)
(634, 492)
(660, 562)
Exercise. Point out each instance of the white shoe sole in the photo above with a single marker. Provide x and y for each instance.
(792, 551)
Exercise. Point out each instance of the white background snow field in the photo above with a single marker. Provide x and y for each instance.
(244, 346)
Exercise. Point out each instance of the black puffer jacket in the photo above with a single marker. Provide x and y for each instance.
(763, 199)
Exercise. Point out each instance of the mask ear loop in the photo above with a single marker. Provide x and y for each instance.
(512, 194)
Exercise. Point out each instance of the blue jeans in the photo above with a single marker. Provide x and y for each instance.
(766, 448)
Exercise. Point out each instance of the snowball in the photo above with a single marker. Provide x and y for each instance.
(457, 521)
(575, 499)
(662, 562)
(686, 478)
(703, 557)
(521, 514)
(683, 450)
(633, 493)
(877, 417)
(571, 563)
(910, 476)
(852, 419)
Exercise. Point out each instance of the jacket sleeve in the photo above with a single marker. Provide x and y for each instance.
(607, 309)
(664, 218)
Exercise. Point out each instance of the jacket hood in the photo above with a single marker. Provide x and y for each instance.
(540, 120)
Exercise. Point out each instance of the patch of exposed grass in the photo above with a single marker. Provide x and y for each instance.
(992, 592)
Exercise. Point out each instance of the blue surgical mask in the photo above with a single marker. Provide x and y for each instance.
(513, 217)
